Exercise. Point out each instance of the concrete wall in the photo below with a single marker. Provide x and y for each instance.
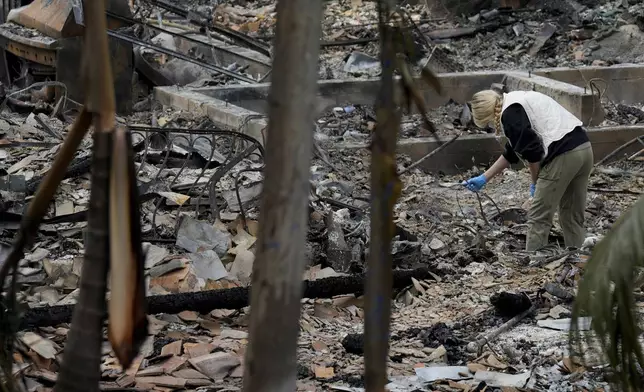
(583, 104)
(220, 53)
(221, 113)
(623, 83)
(472, 150)
(456, 86)
(241, 107)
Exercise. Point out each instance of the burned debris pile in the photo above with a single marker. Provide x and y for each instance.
(472, 309)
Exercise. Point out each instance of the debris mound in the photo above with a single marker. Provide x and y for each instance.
(510, 304)
(437, 335)
(354, 343)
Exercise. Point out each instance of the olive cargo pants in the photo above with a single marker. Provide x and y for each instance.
(562, 184)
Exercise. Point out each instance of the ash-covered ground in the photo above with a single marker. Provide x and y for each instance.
(472, 243)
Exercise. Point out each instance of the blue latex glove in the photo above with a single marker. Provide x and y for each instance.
(533, 187)
(475, 183)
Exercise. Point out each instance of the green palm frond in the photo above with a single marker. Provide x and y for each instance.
(606, 295)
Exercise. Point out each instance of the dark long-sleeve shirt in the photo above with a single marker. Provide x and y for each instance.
(525, 143)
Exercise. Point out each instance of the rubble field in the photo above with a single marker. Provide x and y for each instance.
(355, 123)
(599, 34)
(617, 113)
(474, 247)
(467, 273)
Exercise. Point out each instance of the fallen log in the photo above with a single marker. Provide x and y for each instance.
(235, 298)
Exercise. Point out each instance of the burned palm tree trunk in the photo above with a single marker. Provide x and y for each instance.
(111, 161)
(385, 189)
(277, 273)
(82, 357)
(113, 236)
(80, 369)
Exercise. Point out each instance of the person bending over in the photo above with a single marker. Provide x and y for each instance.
(553, 145)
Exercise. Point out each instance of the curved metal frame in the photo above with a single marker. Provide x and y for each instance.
(236, 148)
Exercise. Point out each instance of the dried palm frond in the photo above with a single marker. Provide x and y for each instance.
(606, 295)
(127, 319)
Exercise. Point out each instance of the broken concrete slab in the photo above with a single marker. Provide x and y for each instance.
(546, 32)
(198, 236)
(580, 102)
(220, 112)
(622, 44)
(208, 265)
(433, 373)
(216, 365)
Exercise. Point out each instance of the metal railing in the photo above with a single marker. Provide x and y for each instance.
(191, 170)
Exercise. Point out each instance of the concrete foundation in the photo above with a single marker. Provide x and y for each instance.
(484, 149)
(244, 107)
(578, 101)
(620, 83)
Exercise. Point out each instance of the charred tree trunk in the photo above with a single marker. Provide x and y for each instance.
(112, 239)
(277, 273)
(385, 189)
(82, 357)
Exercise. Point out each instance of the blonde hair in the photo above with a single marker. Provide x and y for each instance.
(486, 109)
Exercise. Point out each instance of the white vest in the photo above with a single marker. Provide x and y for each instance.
(548, 118)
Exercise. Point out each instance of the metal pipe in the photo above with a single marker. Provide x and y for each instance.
(200, 20)
(187, 38)
(181, 56)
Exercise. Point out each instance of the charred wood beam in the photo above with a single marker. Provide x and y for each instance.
(348, 42)
(235, 298)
